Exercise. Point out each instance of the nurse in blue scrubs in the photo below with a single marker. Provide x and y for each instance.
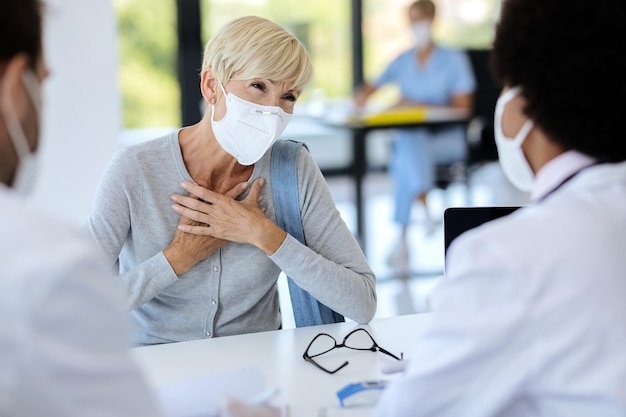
(426, 74)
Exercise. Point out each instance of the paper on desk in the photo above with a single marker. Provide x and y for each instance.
(239, 409)
(202, 397)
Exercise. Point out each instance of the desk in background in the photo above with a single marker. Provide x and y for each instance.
(361, 125)
(306, 389)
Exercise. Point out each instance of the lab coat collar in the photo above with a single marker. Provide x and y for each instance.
(5, 189)
(558, 170)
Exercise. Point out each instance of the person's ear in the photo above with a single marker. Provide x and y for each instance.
(208, 84)
(513, 116)
(13, 97)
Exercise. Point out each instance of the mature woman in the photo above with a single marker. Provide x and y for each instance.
(190, 219)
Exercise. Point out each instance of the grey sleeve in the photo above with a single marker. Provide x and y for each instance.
(117, 199)
(331, 267)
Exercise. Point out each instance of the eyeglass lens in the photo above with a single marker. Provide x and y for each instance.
(321, 344)
(359, 339)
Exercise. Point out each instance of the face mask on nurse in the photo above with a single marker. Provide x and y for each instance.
(28, 162)
(422, 34)
(248, 129)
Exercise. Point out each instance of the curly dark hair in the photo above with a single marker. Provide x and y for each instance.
(569, 58)
(20, 30)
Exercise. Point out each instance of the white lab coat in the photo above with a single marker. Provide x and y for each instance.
(530, 319)
(63, 338)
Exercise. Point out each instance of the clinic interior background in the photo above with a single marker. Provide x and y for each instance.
(114, 82)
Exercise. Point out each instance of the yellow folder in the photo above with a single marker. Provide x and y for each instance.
(399, 116)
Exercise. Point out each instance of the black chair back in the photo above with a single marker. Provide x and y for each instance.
(482, 147)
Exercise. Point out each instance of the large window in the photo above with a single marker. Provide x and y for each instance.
(148, 44)
(147, 77)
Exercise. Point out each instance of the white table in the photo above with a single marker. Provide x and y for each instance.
(307, 390)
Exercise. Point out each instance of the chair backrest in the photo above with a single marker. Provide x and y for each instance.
(482, 145)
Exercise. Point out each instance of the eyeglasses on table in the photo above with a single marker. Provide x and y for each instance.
(357, 339)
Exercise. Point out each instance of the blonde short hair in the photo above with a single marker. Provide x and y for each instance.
(253, 47)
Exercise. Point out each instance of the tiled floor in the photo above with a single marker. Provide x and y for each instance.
(399, 294)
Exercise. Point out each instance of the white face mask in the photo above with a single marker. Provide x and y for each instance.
(510, 154)
(248, 129)
(28, 162)
(422, 32)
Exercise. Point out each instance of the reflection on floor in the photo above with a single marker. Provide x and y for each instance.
(401, 293)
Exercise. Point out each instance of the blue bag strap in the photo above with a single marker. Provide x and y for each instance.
(307, 310)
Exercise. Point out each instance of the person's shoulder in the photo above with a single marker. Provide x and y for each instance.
(406, 54)
(306, 166)
(10, 202)
(38, 246)
(449, 50)
(37, 230)
(152, 146)
(305, 159)
(303, 155)
(402, 58)
(17, 215)
(145, 153)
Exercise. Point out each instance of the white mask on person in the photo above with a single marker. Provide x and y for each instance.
(510, 153)
(28, 162)
(422, 33)
(248, 129)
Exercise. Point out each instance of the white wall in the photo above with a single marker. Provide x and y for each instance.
(82, 116)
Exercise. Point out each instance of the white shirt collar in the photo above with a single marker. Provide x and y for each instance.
(558, 170)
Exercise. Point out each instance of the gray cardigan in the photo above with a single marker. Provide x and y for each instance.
(234, 290)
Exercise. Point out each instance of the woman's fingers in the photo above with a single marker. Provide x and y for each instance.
(237, 190)
(196, 230)
(220, 216)
(254, 195)
(191, 203)
(209, 196)
(193, 213)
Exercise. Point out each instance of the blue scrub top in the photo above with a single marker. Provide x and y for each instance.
(446, 73)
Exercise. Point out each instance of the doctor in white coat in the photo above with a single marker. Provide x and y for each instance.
(63, 336)
(530, 318)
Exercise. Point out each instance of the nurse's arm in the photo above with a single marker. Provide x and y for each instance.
(462, 101)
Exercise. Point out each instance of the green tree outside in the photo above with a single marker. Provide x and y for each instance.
(147, 45)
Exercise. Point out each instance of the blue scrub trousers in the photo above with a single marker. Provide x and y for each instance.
(413, 162)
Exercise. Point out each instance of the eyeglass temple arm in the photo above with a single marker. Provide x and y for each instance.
(386, 352)
(340, 367)
(310, 359)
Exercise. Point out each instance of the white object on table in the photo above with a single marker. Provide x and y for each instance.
(203, 396)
